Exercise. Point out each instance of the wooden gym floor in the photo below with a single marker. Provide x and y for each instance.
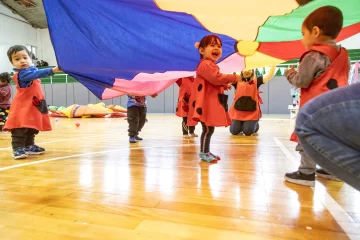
(92, 184)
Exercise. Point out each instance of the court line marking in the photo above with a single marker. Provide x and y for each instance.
(63, 140)
(114, 150)
(331, 205)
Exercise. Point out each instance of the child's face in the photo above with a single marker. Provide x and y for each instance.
(3, 84)
(309, 38)
(21, 60)
(247, 73)
(213, 51)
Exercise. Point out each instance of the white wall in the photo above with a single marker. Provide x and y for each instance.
(13, 30)
(45, 49)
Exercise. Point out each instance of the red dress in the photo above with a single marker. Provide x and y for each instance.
(208, 103)
(246, 104)
(336, 74)
(185, 88)
(28, 109)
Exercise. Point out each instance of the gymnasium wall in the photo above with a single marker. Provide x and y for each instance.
(276, 97)
(13, 30)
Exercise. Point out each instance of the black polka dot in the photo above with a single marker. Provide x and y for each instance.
(332, 84)
(200, 87)
(177, 109)
(193, 104)
(199, 111)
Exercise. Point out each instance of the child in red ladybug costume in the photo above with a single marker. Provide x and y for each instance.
(28, 112)
(208, 103)
(182, 107)
(325, 66)
(245, 110)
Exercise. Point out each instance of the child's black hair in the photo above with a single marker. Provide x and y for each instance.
(328, 19)
(17, 48)
(5, 77)
(205, 41)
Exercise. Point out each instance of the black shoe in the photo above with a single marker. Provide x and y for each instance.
(322, 173)
(138, 138)
(257, 128)
(301, 178)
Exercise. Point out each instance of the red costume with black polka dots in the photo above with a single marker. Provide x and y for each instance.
(182, 107)
(208, 103)
(335, 75)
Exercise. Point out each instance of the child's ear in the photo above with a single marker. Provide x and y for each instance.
(201, 50)
(316, 31)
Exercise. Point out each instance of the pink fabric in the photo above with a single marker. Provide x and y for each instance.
(233, 63)
(148, 84)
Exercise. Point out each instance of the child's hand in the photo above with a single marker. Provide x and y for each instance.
(227, 87)
(291, 69)
(154, 96)
(238, 78)
(56, 69)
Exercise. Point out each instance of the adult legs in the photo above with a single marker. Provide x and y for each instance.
(328, 129)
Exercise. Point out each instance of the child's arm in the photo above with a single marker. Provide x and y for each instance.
(228, 87)
(269, 75)
(308, 68)
(209, 71)
(4, 91)
(28, 76)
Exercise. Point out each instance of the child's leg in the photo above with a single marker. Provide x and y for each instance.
(205, 144)
(30, 147)
(142, 120)
(250, 127)
(133, 120)
(191, 129)
(306, 172)
(184, 126)
(236, 127)
(18, 137)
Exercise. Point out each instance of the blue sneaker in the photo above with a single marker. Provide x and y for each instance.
(19, 153)
(34, 150)
(138, 138)
(208, 157)
(132, 140)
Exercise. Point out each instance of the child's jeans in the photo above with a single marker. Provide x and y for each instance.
(328, 128)
(136, 117)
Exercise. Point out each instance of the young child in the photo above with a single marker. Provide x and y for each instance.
(210, 103)
(136, 116)
(182, 107)
(325, 66)
(28, 112)
(245, 110)
(5, 98)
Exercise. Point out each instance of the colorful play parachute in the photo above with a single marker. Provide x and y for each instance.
(141, 47)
